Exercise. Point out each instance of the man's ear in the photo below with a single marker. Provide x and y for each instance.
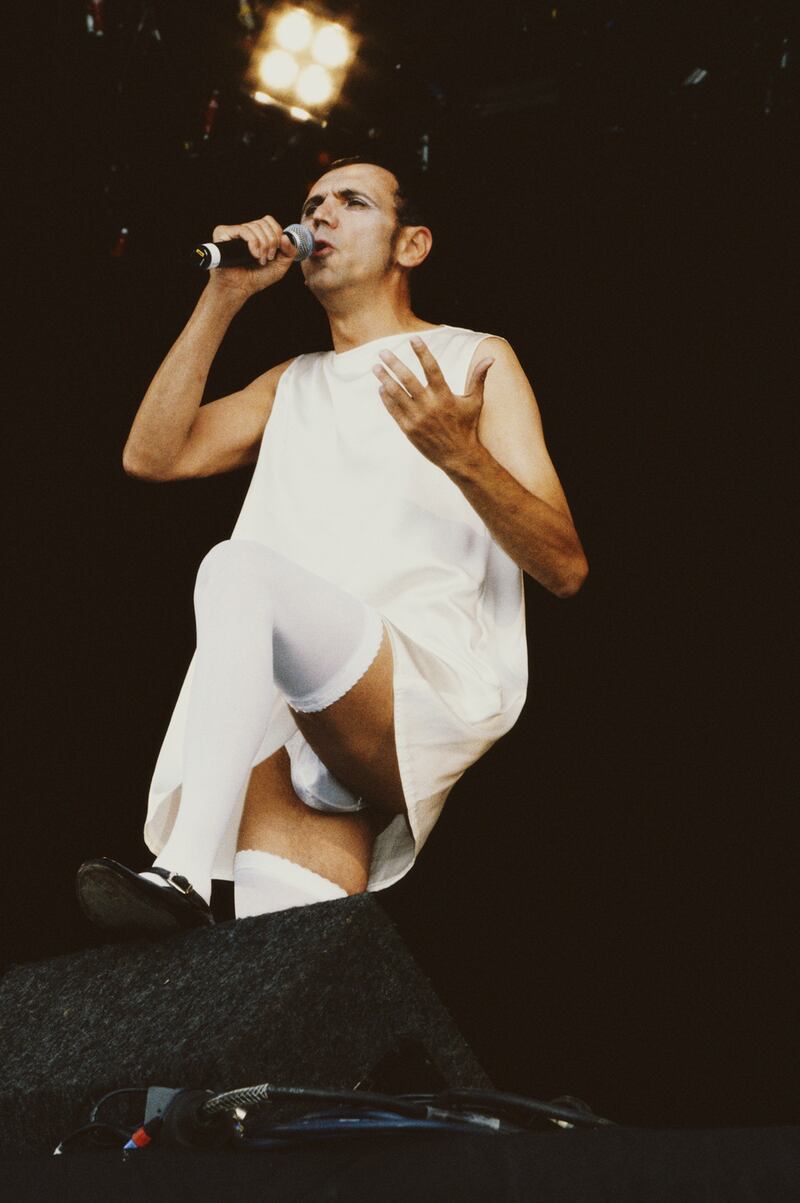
(413, 245)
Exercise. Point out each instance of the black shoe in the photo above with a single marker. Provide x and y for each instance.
(115, 897)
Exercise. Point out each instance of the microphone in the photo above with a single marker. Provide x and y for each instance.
(236, 252)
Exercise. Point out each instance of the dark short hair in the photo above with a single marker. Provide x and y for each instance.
(411, 201)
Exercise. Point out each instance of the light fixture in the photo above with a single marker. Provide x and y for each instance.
(314, 85)
(294, 30)
(331, 46)
(301, 60)
(278, 69)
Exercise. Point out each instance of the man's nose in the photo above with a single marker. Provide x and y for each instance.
(326, 212)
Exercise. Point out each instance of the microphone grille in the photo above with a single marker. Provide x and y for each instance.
(302, 238)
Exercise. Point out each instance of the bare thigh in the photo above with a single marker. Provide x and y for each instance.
(354, 737)
(337, 846)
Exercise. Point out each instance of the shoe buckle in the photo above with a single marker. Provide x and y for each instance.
(180, 883)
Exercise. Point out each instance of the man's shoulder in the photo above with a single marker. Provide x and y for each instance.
(465, 334)
(306, 359)
(268, 381)
(460, 342)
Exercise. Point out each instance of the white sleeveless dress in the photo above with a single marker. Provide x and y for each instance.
(340, 489)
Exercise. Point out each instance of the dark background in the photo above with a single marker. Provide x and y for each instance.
(607, 905)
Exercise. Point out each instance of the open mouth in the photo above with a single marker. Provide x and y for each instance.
(321, 247)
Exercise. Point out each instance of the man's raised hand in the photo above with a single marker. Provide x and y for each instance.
(267, 243)
(440, 424)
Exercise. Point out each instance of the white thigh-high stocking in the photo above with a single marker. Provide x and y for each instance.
(264, 882)
(262, 621)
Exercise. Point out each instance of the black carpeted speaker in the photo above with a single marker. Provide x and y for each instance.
(324, 995)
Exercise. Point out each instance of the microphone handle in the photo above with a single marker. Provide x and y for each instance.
(236, 253)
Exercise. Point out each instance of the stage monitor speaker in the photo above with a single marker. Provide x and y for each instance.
(323, 995)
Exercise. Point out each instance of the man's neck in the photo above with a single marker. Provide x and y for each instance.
(352, 327)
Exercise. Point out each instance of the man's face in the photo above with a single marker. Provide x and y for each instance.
(351, 212)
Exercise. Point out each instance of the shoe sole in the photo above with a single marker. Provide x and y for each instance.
(111, 902)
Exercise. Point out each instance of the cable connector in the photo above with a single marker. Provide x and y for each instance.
(141, 1138)
(184, 1122)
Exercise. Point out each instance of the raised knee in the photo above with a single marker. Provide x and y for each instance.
(236, 558)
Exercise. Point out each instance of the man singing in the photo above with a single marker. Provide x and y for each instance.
(361, 635)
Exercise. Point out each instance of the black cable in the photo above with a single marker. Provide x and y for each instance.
(517, 1102)
(98, 1133)
(266, 1093)
(353, 1112)
(411, 1105)
(114, 1137)
(111, 1094)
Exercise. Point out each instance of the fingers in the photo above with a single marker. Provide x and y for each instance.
(403, 374)
(433, 373)
(478, 377)
(287, 247)
(389, 386)
(264, 238)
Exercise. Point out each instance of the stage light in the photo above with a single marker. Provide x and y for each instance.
(278, 69)
(331, 46)
(301, 61)
(314, 85)
(294, 30)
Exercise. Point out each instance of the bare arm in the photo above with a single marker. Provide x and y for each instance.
(540, 538)
(490, 443)
(172, 436)
(171, 405)
(510, 480)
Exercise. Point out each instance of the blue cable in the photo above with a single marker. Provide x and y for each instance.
(326, 1125)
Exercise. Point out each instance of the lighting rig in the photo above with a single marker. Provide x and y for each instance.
(300, 63)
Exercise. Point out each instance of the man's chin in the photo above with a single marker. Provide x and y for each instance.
(321, 282)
